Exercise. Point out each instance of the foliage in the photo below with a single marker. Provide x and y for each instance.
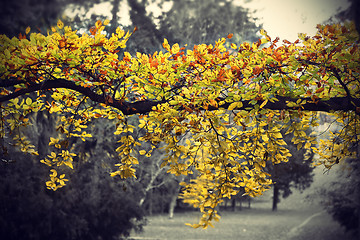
(341, 199)
(91, 205)
(219, 115)
(204, 21)
(39, 14)
(296, 173)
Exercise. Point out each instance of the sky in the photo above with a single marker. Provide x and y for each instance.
(280, 18)
(287, 18)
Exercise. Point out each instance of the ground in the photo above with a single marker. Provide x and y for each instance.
(296, 219)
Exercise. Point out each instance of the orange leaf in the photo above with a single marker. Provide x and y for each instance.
(256, 70)
(154, 63)
(319, 90)
(98, 23)
(93, 30)
(22, 36)
(229, 36)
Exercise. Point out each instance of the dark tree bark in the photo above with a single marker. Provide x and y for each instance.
(275, 197)
(233, 204)
(142, 107)
(114, 12)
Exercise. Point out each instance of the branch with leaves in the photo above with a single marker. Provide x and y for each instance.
(229, 101)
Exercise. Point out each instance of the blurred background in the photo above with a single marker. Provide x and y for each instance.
(95, 206)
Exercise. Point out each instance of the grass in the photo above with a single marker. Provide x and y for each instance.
(296, 219)
(259, 222)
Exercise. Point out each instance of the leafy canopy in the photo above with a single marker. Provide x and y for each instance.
(217, 109)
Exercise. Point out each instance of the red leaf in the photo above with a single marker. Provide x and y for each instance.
(286, 41)
(21, 36)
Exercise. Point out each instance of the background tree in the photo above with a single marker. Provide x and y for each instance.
(17, 15)
(296, 173)
(194, 22)
(341, 198)
(92, 206)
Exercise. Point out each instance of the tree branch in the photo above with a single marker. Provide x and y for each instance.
(332, 104)
(10, 82)
(127, 108)
(142, 107)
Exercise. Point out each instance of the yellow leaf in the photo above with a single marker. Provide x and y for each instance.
(265, 137)
(277, 135)
(263, 103)
(60, 24)
(264, 40)
(54, 173)
(232, 106)
(69, 164)
(175, 48)
(299, 146)
(98, 24)
(106, 22)
(27, 30)
(263, 32)
(142, 152)
(113, 174)
(166, 44)
(28, 101)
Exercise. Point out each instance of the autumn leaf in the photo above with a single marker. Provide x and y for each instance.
(319, 90)
(60, 24)
(106, 22)
(166, 44)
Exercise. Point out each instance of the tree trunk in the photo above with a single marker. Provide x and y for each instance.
(172, 204)
(275, 197)
(114, 12)
(150, 203)
(175, 195)
(233, 204)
